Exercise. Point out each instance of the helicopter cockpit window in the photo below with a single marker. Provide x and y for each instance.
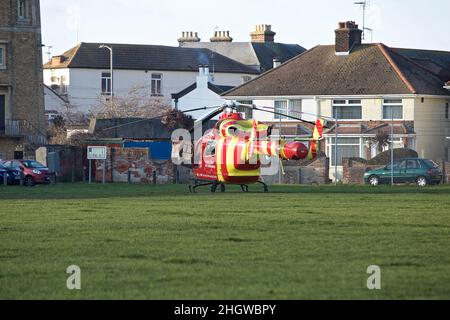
(233, 131)
(210, 148)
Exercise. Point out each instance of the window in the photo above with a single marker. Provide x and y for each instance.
(347, 109)
(248, 113)
(210, 148)
(291, 108)
(2, 57)
(346, 148)
(106, 83)
(413, 164)
(392, 109)
(156, 84)
(22, 9)
(295, 108)
(281, 107)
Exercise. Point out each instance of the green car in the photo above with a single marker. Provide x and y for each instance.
(420, 171)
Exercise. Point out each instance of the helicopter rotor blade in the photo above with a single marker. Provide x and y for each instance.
(154, 118)
(252, 107)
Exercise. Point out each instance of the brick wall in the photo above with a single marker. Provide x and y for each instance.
(316, 172)
(353, 171)
(137, 162)
(22, 81)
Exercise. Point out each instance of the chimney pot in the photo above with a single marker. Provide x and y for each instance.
(263, 33)
(189, 36)
(347, 36)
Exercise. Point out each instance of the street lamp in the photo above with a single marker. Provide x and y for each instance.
(111, 71)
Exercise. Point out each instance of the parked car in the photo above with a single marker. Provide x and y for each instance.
(12, 175)
(420, 171)
(33, 171)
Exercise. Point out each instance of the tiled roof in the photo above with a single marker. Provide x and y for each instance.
(372, 128)
(146, 57)
(258, 55)
(370, 69)
(219, 89)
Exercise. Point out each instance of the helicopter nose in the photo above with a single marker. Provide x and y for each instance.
(295, 151)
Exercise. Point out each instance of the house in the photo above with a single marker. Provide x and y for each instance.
(363, 89)
(22, 119)
(202, 93)
(82, 74)
(259, 53)
(55, 104)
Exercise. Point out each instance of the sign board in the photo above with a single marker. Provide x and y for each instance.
(96, 153)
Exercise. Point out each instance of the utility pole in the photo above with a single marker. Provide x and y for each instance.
(392, 146)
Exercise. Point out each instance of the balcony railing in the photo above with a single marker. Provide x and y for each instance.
(22, 129)
(13, 128)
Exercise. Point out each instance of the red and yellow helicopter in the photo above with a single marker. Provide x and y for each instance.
(230, 153)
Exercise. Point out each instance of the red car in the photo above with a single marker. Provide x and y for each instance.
(33, 171)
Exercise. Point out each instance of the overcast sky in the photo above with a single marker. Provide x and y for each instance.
(399, 23)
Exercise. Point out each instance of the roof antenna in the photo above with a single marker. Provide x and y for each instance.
(49, 52)
(364, 4)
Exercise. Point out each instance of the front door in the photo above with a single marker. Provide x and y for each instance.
(2, 113)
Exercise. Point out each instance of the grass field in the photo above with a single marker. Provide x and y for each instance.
(160, 242)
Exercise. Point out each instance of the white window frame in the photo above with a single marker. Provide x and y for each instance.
(248, 113)
(389, 103)
(346, 104)
(108, 80)
(2, 56)
(155, 79)
(22, 9)
(331, 145)
(291, 109)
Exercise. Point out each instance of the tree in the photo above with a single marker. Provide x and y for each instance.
(57, 133)
(137, 103)
(175, 119)
(382, 140)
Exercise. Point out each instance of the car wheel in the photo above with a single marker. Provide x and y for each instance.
(29, 182)
(374, 181)
(421, 181)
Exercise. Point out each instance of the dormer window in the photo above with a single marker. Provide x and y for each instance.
(22, 9)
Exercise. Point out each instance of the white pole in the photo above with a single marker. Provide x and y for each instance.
(280, 173)
(112, 78)
(392, 146)
(336, 150)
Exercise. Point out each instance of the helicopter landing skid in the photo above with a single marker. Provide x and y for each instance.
(214, 186)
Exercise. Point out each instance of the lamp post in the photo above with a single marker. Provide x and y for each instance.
(111, 71)
(392, 146)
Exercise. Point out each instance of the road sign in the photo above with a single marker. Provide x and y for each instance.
(96, 153)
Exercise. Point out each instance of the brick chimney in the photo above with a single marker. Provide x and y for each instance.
(347, 36)
(221, 36)
(189, 36)
(263, 33)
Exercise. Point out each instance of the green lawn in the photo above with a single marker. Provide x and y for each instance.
(160, 242)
